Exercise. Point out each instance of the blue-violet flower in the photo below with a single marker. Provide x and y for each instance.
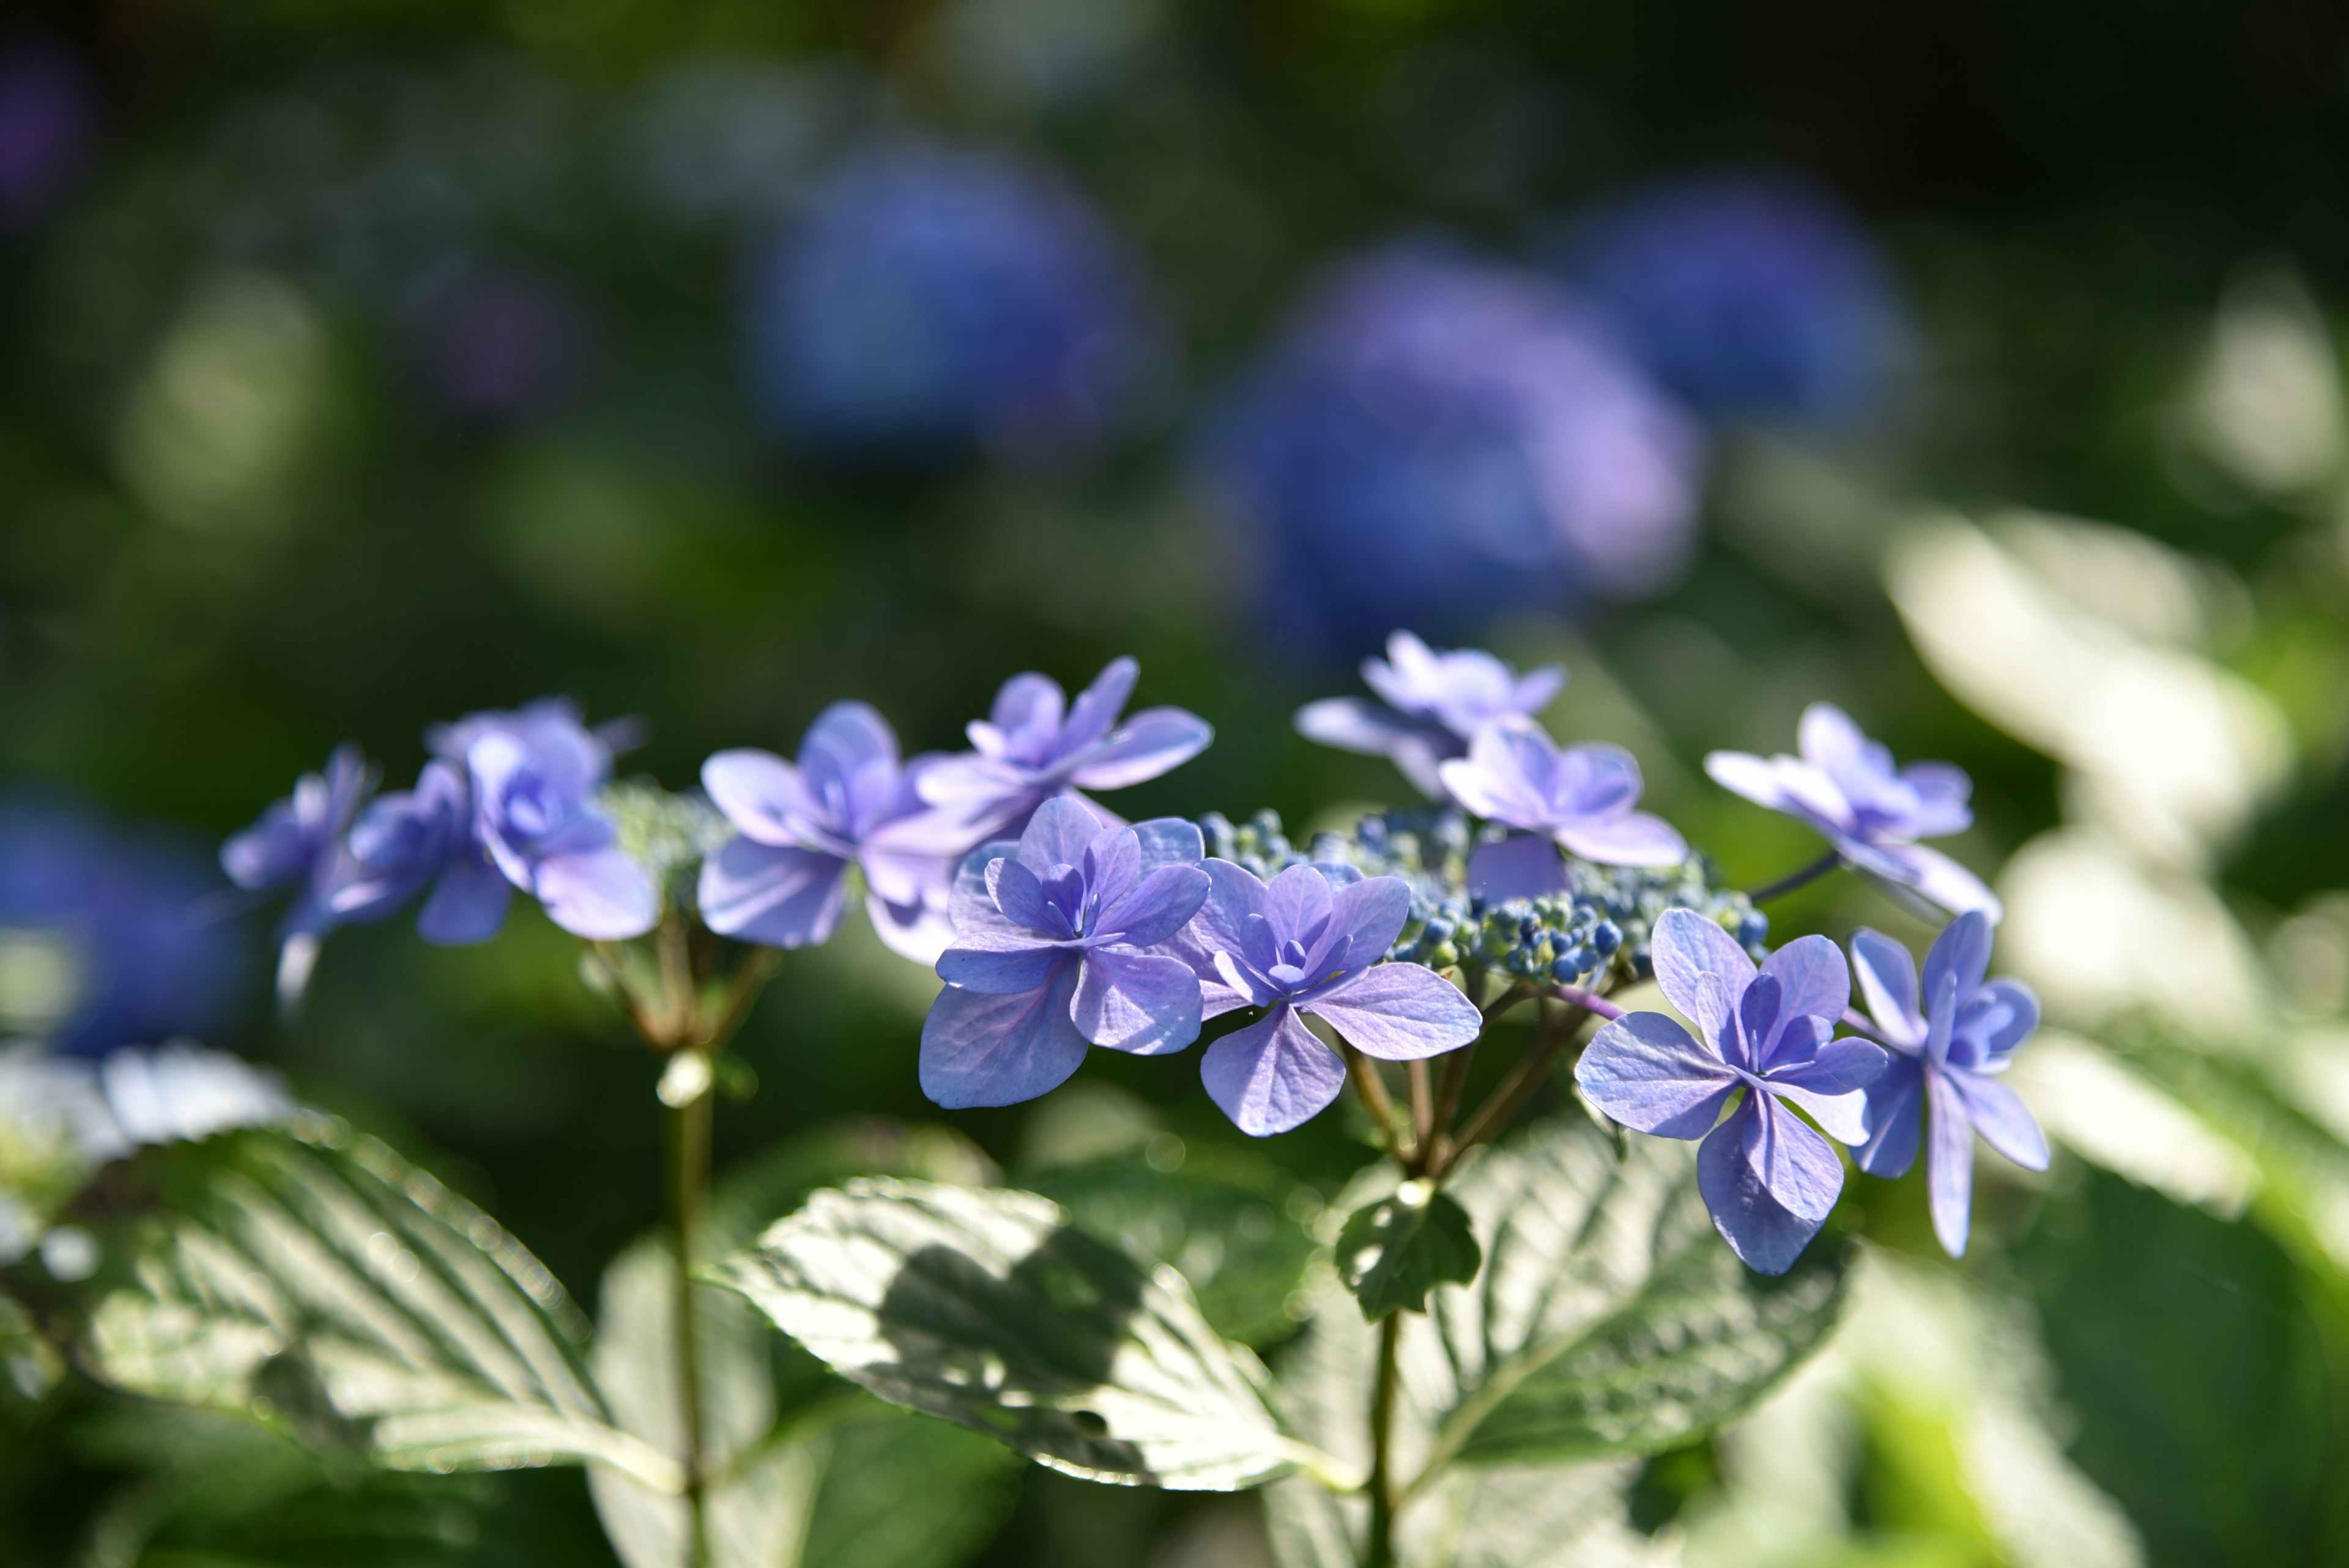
(1581, 797)
(1436, 701)
(298, 844)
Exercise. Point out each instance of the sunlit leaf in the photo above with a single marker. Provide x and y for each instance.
(318, 1284)
(1396, 1250)
(991, 1309)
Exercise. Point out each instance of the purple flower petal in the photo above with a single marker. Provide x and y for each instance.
(1943, 885)
(1522, 865)
(849, 759)
(1637, 838)
(1687, 945)
(758, 792)
(1758, 779)
(1896, 1115)
(1647, 1072)
(1943, 790)
(1147, 1003)
(599, 894)
(1097, 705)
(1759, 1229)
(1058, 835)
(1149, 743)
(777, 897)
(1887, 980)
(1398, 1011)
(1798, 1165)
(1298, 905)
(1961, 952)
(1813, 979)
(1829, 740)
(979, 1050)
(1022, 898)
(1112, 865)
(467, 905)
(2000, 1017)
(1948, 1163)
(918, 931)
(1594, 779)
(1370, 914)
(2004, 1122)
(1272, 1076)
(1001, 971)
(970, 904)
(1351, 724)
(1844, 1114)
(1162, 905)
(1169, 841)
(1233, 894)
(1496, 779)
(1027, 705)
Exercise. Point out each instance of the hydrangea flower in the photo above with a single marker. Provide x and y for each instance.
(1768, 1177)
(781, 879)
(927, 297)
(1034, 744)
(1436, 701)
(297, 842)
(407, 840)
(1581, 797)
(1748, 296)
(1310, 941)
(1846, 787)
(1053, 951)
(1949, 1043)
(1435, 440)
(533, 776)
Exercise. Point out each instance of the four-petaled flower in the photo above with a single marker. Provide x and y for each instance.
(297, 842)
(1581, 797)
(1052, 940)
(1436, 701)
(1949, 1045)
(1034, 744)
(780, 881)
(1846, 787)
(1768, 1177)
(1309, 941)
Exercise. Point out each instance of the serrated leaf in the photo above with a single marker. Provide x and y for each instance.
(1396, 1250)
(1230, 1227)
(324, 1286)
(991, 1309)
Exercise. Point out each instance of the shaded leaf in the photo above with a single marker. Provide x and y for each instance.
(991, 1309)
(874, 1463)
(1234, 1228)
(322, 1285)
(1394, 1252)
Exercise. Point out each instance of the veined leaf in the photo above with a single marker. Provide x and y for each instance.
(991, 1309)
(320, 1285)
(1394, 1251)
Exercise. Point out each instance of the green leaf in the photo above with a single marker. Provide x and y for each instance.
(318, 1284)
(874, 1463)
(1234, 1227)
(991, 1309)
(1394, 1252)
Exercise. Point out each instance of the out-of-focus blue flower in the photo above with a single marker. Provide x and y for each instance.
(407, 840)
(1436, 440)
(1846, 787)
(1748, 296)
(504, 349)
(1949, 1045)
(1035, 744)
(1768, 1177)
(107, 937)
(1437, 699)
(532, 775)
(1053, 950)
(929, 298)
(298, 843)
(1311, 941)
(781, 880)
(45, 129)
(1582, 798)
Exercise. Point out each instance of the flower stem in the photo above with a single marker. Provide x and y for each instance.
(688, 1128)
(1447, 1105)
(1378, 1551)
(1379, 1102)
(1794, 879)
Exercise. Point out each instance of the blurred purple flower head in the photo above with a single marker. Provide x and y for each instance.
(534, 775)
(298, 844)
(1436, 440)
(1437, 699)
(849, 801)
(1748, 296)
(1310, 942)
(1057, 945)
(1768, 1177)
(504, 349)
(929, 298)
(46, 118)
(1035, 744)
(111, 938)
(1582, 798)
(1846, 787)
(1949, 1045)
(407, 840)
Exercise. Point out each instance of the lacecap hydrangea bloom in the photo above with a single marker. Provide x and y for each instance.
(1949, 1043)
(1749, 296)
(1436, 699)
(782, 879)
(1434, 440)
(1059, 944)
(1035, 744)
(1846, 786)
(1768, 1180)
(1581, 799)
(929, 297)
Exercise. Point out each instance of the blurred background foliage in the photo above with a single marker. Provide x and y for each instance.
(709, 361)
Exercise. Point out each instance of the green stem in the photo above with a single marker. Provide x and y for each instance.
(1794, 879)
(1378, 1551)
(687, 1127)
